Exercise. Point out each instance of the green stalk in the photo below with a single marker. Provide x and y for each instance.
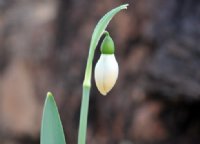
(84, 115)
(98, 32)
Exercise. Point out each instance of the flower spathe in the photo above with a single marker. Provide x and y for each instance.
(106, 73)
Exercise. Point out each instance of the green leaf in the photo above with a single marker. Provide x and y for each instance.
(102, 24)
(98, 31)
(51, 130)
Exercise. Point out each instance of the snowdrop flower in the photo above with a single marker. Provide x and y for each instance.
(106, 70)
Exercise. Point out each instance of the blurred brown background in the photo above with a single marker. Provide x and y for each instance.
(44, 47)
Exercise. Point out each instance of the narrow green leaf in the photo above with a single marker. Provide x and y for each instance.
(51, 130)
(102, 24)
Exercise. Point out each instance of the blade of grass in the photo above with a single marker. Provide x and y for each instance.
(51, 129)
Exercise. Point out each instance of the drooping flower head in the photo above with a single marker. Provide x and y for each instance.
(106, 70)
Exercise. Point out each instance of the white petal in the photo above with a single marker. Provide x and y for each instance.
(106, 73)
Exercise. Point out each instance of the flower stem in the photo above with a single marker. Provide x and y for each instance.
(84, 114)
(98, 32)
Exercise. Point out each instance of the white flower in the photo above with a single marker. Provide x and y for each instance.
(106, 73)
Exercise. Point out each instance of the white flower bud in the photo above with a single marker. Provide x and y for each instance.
(106, 73)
